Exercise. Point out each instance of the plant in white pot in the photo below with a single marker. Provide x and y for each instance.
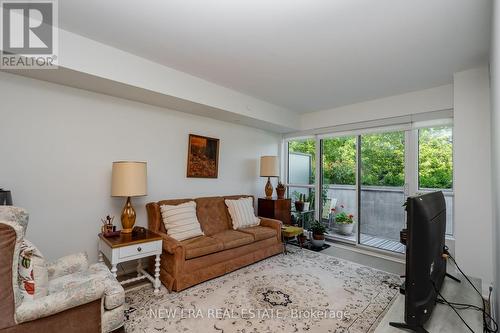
(345, 223)
(318, 234)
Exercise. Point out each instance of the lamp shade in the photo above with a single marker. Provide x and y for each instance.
(129, 179)
(269, 166)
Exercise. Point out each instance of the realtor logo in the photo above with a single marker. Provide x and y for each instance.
(29, 36)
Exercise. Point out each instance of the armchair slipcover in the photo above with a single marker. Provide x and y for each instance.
(81, 297)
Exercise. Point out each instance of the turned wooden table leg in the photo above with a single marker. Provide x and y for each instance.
(157, 274)
(114, 270)
(139, 267)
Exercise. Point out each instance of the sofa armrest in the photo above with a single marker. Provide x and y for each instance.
(59, 301)
(271, 223)
(169, 244)
(114, 294)
(174, 254)
(68, 265)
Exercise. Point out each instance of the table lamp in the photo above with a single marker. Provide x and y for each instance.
(269, 167)
(129, 179)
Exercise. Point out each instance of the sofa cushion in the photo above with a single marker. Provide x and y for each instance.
(260, 233)
(154, 211)
(200, 246)
(242, 213)
(212, 214)
(231, 238)
(180, 221)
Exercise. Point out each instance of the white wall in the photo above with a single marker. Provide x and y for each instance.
(495, 126)
(434, 99)
(57, 145)
(472, 172)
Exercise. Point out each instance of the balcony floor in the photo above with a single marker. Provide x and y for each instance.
(382, 243)
(373, 241)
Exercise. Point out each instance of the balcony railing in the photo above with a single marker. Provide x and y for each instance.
(382, 215)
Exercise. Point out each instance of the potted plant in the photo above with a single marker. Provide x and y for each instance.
(345, 223)
(309, 203)
(280, 190)
(299, 203)
(318, 234)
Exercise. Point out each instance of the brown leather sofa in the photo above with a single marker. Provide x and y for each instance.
(220, 251)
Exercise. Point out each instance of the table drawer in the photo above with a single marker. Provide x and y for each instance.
(133, 250)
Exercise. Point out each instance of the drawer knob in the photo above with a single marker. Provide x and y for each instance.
(139, 249)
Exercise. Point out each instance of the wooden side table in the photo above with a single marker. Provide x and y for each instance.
(288, 232)
(279, 209)
(139, 244)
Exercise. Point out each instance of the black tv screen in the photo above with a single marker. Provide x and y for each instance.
(425, 264)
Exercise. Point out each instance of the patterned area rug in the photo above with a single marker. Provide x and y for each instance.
(303, 291)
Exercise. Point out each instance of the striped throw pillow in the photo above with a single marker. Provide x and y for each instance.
(180, 221)
(242, 213)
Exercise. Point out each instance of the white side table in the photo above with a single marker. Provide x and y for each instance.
(134, 246)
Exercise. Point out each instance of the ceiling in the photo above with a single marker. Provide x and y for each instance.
(305, 55)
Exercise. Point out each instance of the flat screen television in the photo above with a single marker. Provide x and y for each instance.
(425, 264)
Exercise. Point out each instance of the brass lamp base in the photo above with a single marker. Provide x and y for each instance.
(269, 188)
(128, 217)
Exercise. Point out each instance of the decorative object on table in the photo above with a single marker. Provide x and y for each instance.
(269, 167)
(318, 234)
(5, 198)
(299, 203)
(112, 234)
(278, 209)
(344, 223)
(129, 179)
(107, 224)
(203, 157)
(280, 190)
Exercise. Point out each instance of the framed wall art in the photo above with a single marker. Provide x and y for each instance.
(203, 157)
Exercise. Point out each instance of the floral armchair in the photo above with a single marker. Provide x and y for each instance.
(78, 297)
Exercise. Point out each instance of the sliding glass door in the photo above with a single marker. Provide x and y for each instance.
(435, 166)
(338, 181)
(356, 183)
(382, 159)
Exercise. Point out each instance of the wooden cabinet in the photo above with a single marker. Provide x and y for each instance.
(278, 209)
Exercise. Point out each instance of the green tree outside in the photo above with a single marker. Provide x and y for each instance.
(435, 165)
(382, 158)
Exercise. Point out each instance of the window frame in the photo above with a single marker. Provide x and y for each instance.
(410, 127)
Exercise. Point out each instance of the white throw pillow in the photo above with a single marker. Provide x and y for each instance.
(181, 221)
(33, 276)
(242, 213)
